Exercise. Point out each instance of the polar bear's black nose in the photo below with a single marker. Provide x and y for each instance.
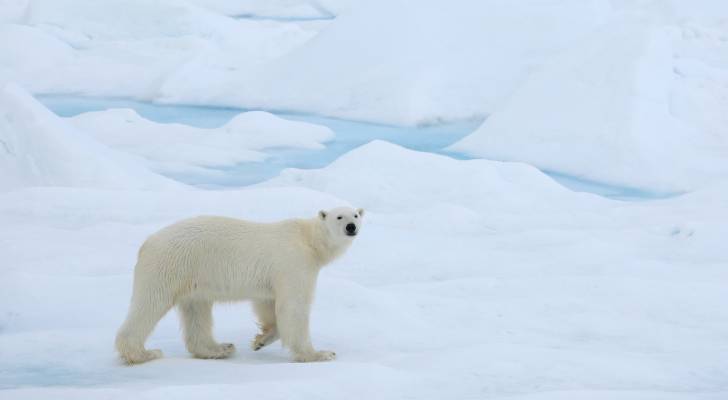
(350, 228)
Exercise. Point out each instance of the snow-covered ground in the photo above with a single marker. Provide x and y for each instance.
(472, 279)
(182, 149)
(608, 101)
(511, 286)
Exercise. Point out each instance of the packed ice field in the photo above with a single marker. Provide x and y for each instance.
(545, 185)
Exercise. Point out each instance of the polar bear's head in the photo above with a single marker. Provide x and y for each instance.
(342, 222)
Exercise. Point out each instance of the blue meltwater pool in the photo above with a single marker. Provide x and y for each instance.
(349, 135)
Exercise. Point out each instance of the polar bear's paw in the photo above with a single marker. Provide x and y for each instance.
(222, 350)
(143, 356)
(322, 355)
(153, 354)
(266, 337)
(259, 342)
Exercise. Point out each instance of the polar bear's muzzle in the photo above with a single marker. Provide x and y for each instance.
(350, 229)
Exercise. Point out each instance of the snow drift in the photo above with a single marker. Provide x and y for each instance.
(93, 46)
(177, 148)
(606, 110)
(455, 195)
(601, 300)
(37, 148)
(404, 64)
(470, 279)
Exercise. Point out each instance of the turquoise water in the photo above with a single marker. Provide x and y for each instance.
(349, 135)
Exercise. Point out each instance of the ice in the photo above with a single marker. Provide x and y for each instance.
(405, 74)
(37, 148)
(267, 130)
(348, 135)
(197, 116)
(283, 10)
(178, 150)
(482, 271)
(16, 60)
(512, 287)
(12, 10)
(364, 173)
(96, 46)
(175, 51)
(599, 110)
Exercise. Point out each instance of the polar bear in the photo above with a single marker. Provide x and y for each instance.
(196, 262)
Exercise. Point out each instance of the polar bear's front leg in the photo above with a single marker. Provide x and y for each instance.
(292, 315)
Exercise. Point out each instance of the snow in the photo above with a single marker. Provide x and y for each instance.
(37, 148)
(178, 149)
(97, 45)
(598, 110)
(267, 130)
(403, 73)
(484, 293)
(363, 174)
(274, 9)
(12, 10)
(16, 57)
(476, 275)
(348, 135)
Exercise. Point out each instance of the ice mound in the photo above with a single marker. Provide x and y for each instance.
(276, 9)
(174, 148)
(125, 48)
(263, 130)
(31, 56)
(395, 62)
(606, 110)
(37, 148)
(384, 176)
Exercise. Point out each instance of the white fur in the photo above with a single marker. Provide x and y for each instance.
(196, 262)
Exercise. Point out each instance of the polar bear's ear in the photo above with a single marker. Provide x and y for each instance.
(322, 214)
(360, 211)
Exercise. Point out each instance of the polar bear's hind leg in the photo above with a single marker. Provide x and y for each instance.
(144, 314)
(196, 318)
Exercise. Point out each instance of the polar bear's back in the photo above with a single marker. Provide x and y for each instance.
(203, 229)
(211, 232)
(221, 256)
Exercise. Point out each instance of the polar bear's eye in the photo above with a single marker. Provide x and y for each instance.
(339, 217)
(356, 216)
